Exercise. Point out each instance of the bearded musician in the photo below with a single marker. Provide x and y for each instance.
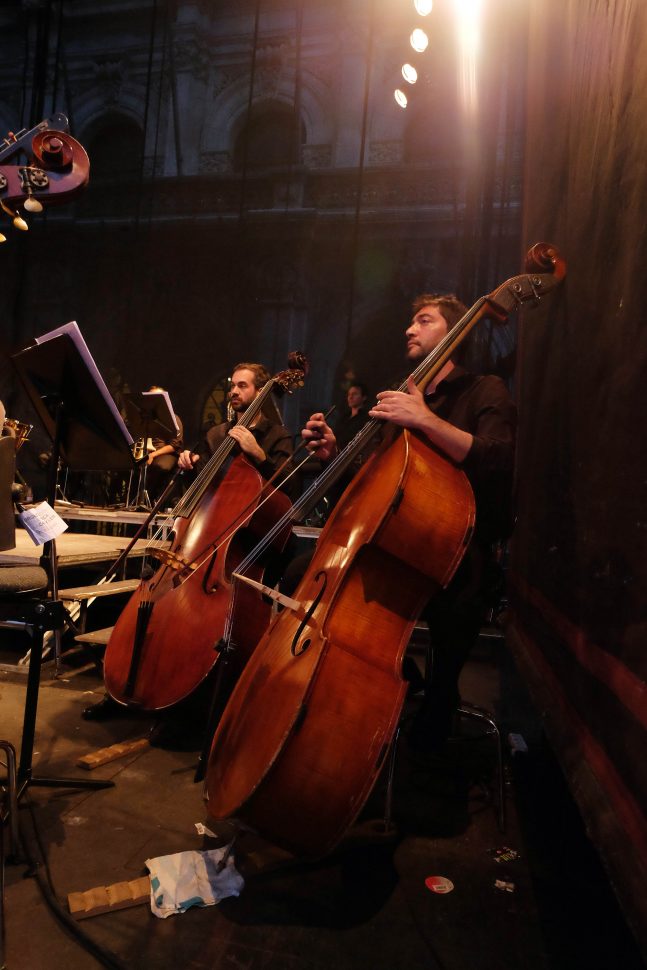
(267, 443)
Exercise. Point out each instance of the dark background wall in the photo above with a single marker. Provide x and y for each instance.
(579, 563)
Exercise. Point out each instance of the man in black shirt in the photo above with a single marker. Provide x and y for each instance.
(266, 443)
(472, 421)
(355, 418)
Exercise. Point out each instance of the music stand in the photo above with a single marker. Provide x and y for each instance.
(149, 415)
(87, 432)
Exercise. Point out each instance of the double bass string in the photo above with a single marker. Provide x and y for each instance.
(225, 535)
(192, 495)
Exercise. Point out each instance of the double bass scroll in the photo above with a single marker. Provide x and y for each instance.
(55, 167)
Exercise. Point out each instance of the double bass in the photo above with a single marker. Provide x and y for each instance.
(308, 726)
(166, 640)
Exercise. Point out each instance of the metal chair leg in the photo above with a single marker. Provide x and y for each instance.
(480, 714)
(388, 799)
(8, 812)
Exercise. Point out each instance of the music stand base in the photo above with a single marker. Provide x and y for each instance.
(42, 615)
(42, 782)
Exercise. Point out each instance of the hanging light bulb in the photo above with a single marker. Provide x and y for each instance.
(400, 97)
(419, 40)
(409, 73)
(423, 7)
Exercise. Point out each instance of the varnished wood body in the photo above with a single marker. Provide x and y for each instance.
(303, 736)
(189, 615)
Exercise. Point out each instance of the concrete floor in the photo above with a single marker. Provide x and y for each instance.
(367, 905)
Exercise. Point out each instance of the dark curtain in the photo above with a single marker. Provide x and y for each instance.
(579, 558)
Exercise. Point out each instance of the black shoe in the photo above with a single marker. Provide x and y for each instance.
(103, 710)
(412, 674)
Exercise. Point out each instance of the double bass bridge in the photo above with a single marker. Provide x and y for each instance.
(174, 561)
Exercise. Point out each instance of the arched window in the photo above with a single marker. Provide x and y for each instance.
(271, 138)
(115, 149)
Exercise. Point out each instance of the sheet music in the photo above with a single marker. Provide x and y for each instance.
(72, 330)
(163, 394)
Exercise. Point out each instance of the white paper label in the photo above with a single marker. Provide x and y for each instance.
(42, 523)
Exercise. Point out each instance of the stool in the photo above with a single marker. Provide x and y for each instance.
(486, 718)
(468, 711)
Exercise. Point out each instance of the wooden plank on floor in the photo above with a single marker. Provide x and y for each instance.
(103, 756)
(104, 899)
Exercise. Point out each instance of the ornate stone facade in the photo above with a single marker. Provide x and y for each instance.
(191, 217)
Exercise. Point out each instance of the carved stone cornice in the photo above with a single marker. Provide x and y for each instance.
(110, 73)
(192, 56)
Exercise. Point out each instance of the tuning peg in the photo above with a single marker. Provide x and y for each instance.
(18, 221)
(3, 238)
(32, 205)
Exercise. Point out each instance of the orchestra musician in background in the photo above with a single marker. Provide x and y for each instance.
(163, 455)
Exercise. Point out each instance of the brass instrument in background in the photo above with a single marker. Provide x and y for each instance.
(17, 429)
(141, 449)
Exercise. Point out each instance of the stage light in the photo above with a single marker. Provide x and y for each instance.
(468, 22)
(409, 73)
(400, 97)
(423, 7)
(419, 40)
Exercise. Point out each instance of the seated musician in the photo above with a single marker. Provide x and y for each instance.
(163, 455)
(267, 443)
(472, 421)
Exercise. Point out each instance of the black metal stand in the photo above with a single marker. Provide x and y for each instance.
(69, 395)
(141, 502)
(148, 414)
(40, 615)
(221, 692)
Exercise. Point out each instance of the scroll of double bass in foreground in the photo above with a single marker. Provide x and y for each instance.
(310, 721)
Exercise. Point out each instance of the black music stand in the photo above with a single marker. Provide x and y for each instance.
(87, 432)
(149, 415)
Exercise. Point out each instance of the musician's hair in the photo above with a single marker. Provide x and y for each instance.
(261, 374)
(449, 305)
(361, 387)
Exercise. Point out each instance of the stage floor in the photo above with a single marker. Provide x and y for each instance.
(366, 906)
